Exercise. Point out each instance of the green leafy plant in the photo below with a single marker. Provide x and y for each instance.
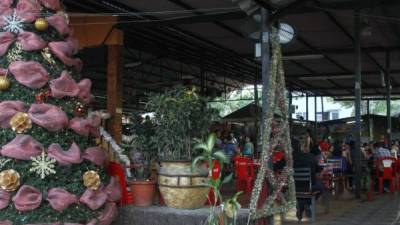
(229, 207)
(181, 116)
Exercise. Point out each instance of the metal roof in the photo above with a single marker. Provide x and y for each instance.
(176, 40)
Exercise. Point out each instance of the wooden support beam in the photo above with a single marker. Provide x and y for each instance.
(115, 91)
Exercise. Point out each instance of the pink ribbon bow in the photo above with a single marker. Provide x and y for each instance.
(113, 190)
(64, 86)
(4, 199)
(84, 91)
(48, 116)
(29, 41)
(86, 127)
(7, 110)
(109, 214)
(73, 155)
(64, 51)
(30, 74)
(96, 155)
(51, 4)
(27, 199)
(60, 199)
(94, 199)
(23, 147)
(58, 22)
(28, 10)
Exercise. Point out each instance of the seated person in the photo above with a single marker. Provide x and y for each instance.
(229, 148)
(248, 148)
(304, 159)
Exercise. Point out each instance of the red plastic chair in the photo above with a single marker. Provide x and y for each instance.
(388, 172)
(244, 171)
(215, 175)
(117, 170)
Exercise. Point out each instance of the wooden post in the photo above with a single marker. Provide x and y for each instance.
(114, 91)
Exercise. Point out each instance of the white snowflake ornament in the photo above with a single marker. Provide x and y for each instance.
(13, 23)
(42, 165)
(3, 162)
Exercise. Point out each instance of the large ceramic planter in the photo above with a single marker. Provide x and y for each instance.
(180, 187)
(143, 192)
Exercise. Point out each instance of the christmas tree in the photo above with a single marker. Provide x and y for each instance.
(51, 171)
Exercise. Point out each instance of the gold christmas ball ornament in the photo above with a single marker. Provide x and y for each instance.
(41, 24)
(91, 180)
(4, 83)
(21, 123)
(9, 180)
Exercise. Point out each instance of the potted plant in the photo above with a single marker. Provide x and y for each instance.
(225, 213)
(143, 155)
(181, 117)
(143, 186)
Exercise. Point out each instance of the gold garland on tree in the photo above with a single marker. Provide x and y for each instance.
(282, 184)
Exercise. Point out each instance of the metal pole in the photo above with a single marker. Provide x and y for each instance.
(290, 112)
(265, 61)
(315, 118)
(322, 108)
(357, 90)
(388, 100)
(368, 122)
(307, 108)
(256, 112)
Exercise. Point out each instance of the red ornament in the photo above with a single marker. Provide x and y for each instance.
(80, 109)
(42, 96)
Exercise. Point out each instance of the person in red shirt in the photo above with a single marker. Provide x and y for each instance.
(324, 145)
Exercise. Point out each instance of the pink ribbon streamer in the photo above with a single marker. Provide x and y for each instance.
(96, 155)
(113, 190)
(4, 11)
(85, 95)
(72, 156)
(88, 126)
(92, 222)
(6, 222)
(64, 86)
(51, 4)
(58, 22)
(28, 10)
(6, 39)
(27, 199)
(60, 199)
(48, 116)
(23, 147)
(6, 3)
(109, 214)
(64, 51)
(94, 199)
(30, 74)
(4, 199)
(7, 110)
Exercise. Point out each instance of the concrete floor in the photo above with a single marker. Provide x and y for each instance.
(345, 210)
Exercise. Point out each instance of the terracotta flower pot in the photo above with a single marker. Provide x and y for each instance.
(143, 192)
